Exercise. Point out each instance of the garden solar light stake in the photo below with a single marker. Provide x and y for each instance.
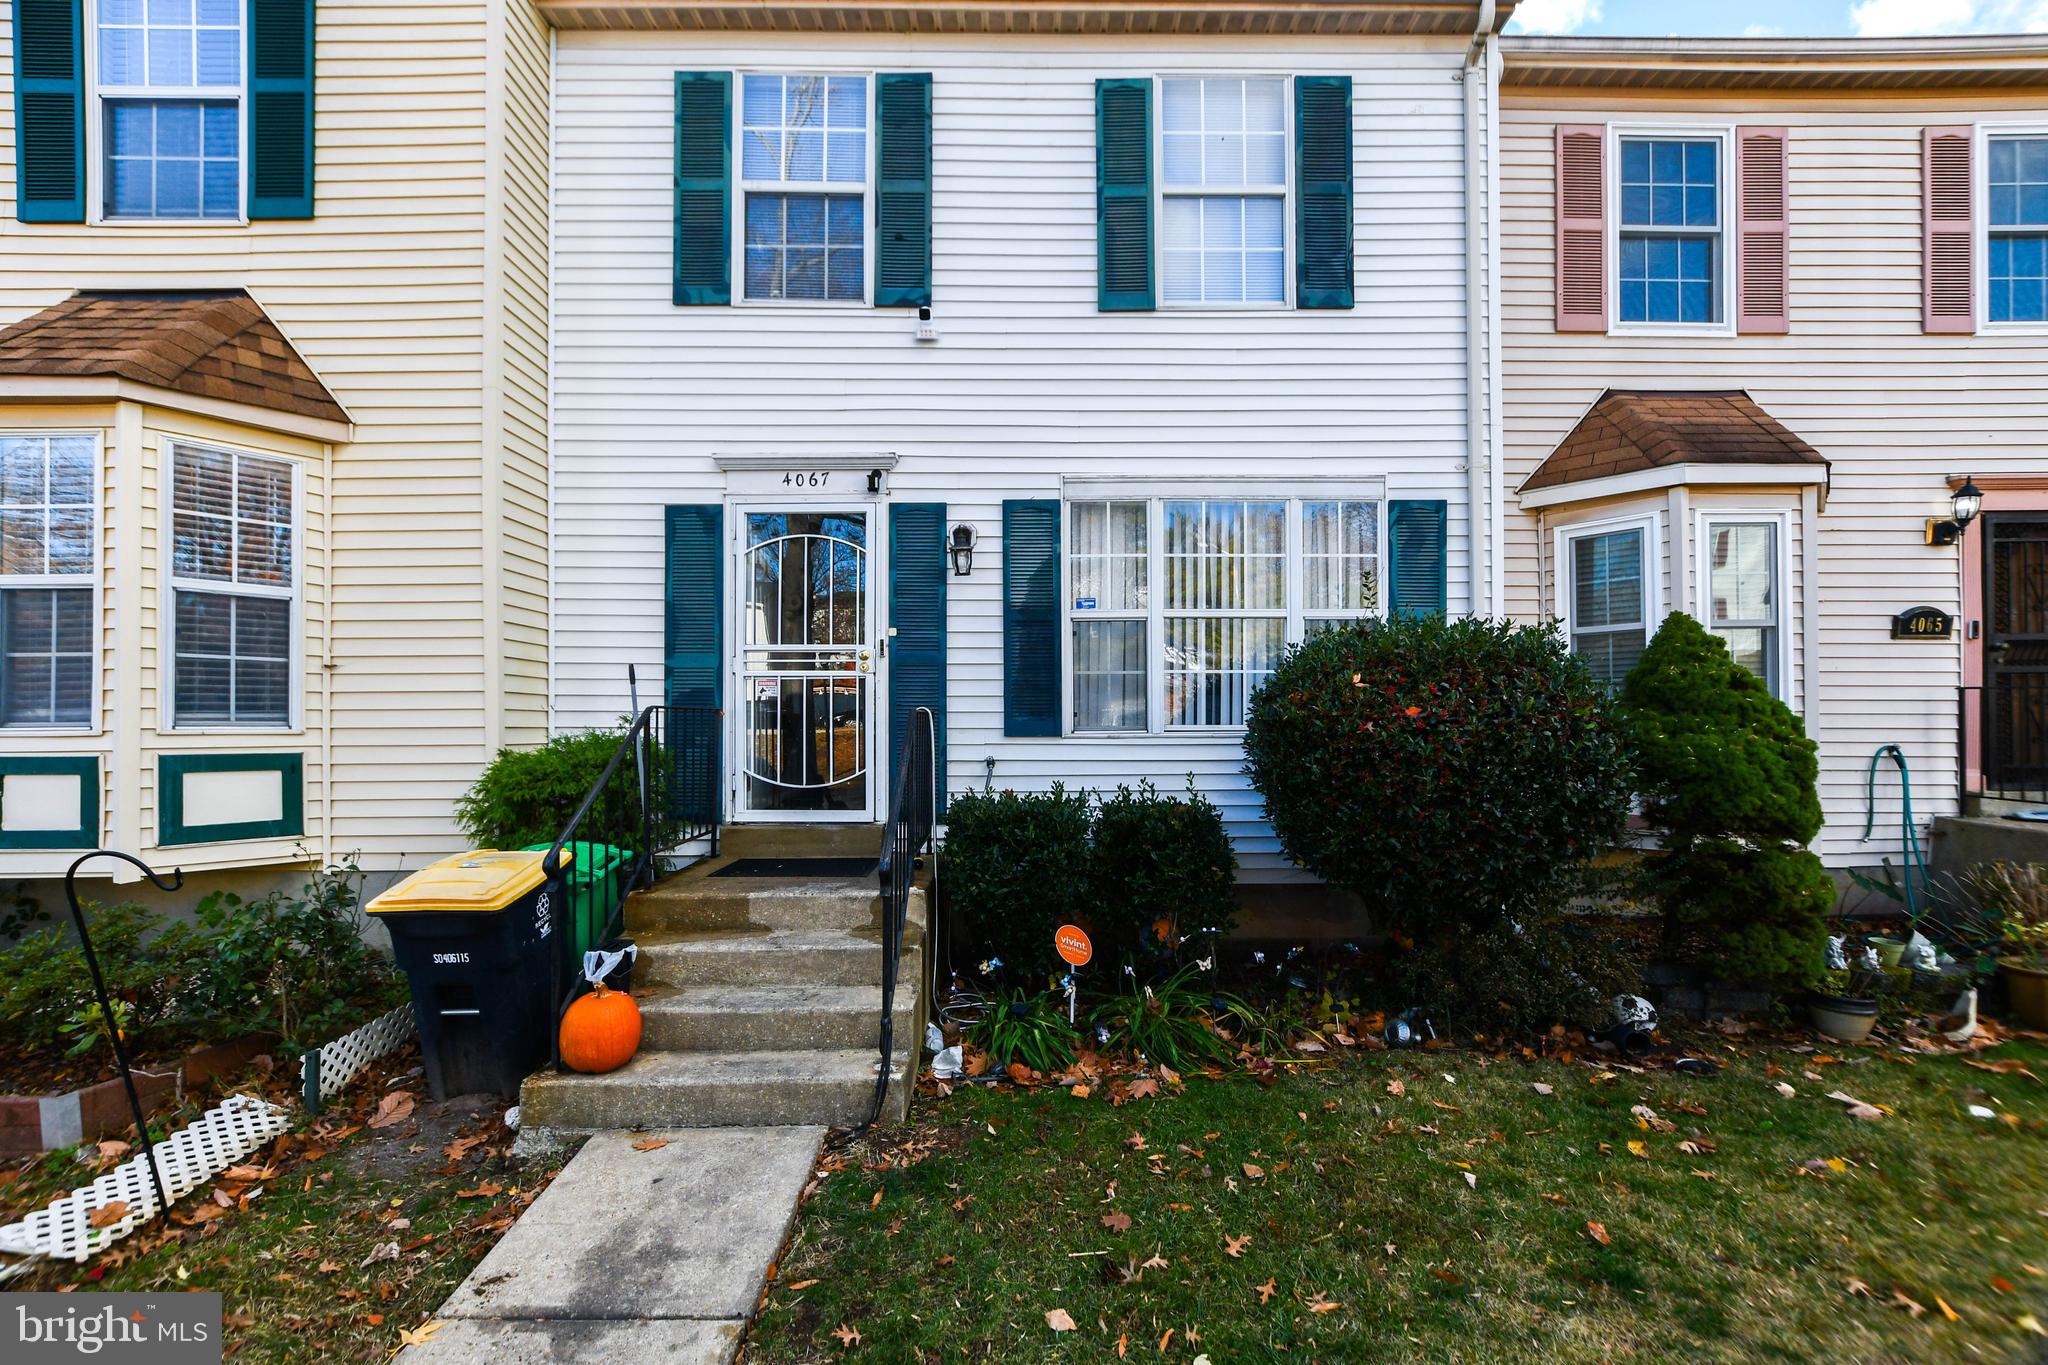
(108, 1019)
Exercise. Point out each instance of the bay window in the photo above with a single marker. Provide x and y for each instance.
(234, 588)
(48, 568)
(1607, 596)
(1179, 607)
(1744, 603)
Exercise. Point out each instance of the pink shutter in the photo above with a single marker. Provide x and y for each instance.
(1949, 226)
(1582, 227)
(1761, 276)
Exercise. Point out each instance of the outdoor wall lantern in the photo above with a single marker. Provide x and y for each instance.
(961, 549)
(1964, 505)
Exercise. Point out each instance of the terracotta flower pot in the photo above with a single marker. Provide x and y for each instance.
(1845, 1018)
(2028, 987)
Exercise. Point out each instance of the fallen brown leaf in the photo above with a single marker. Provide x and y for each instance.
(1234, 1246)
(1059, 1319)
(650, 1144)
(1598, 1232)
(395, 1108)
(1266, 1291)
(1117, 1222)
(107, 1214)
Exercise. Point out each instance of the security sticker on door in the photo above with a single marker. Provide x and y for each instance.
(1084, 604)
(767, 689)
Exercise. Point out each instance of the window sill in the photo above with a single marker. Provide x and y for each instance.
(800, 305)
(52, 731)
(2012, 329)
(1176, 732)
(1671, 329)
(222, 731)
(169, 222)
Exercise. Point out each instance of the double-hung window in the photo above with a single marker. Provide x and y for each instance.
(234, 588)
(1744, 604)
(1672, 254)
(47, 571)
(1179, 607)
(2017, 276)
(168, 91)
(803, 187)
(1607, 597)
(1223, 189)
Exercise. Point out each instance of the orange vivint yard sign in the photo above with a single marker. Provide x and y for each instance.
(1073, 946)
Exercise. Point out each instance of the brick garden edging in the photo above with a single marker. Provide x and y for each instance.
(30, 1124)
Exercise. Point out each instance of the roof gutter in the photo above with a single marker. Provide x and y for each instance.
(1482, 544)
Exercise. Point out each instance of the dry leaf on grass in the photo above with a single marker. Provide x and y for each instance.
(1059, 1319)
(1117, 1222)
(1396, 1088)
(848, 1337)
(1899, 1300)
(1543, 1089)
(1234, 1246)
(1787, 1091)
(1598, 1232)
(1321, 1303)
(1267, 1290)
(800, 1284)
(487, 1190)
(1639, 1149)
(1145, 1089)
(1252, 1172)
(395, 1108)
(650, 1144)
(418, 1336)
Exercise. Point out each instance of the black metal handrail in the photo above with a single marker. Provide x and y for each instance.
(913, 813)
(2002, 740)
(655, 799)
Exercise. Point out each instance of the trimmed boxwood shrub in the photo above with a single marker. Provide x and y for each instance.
(1016, 867)
(1164, 873)
(1728, 777)
(525, 796)
(1446, 772)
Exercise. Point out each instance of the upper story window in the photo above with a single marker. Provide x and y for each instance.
(47, 572)
(803, 187)
(2018, 245)
(169, 96)
(1223, 190)
(234, 588)
(1671, 255)
(1179, 607)
(1606, 598)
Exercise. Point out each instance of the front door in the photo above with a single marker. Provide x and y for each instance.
(805, 664)
(2015, 715)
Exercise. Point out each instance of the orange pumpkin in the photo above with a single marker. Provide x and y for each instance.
(600, 1031)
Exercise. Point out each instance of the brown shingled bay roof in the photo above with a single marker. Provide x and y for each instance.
(1628, 432)
(214, 343)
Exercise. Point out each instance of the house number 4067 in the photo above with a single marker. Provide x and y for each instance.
(805, 479)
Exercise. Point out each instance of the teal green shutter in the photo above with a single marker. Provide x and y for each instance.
(1031, 617)
(1416, 534)
(903, 194)
(1322, 176)
(917, 625)
(703, 187)
(49, 111)
(694, 646)
(280, 59)
(1123, 195)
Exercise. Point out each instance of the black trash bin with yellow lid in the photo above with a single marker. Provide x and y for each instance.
(477, 936)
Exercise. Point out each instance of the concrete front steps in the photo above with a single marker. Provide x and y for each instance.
(760, 998)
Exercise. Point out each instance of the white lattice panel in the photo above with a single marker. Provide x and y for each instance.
(186, 1160)
(345, 1057)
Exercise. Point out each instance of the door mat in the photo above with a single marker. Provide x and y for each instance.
(798, 867)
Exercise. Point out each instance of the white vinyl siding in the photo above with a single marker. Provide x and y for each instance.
(1029, 388)
(419, 294)
(1857, 378)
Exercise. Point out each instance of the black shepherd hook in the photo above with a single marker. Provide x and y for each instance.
(99, 986)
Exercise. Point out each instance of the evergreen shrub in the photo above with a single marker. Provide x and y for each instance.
(1728, 779)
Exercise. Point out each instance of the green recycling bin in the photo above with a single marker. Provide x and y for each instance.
(593, 885)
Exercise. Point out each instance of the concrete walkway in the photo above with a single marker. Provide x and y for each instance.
(634, 1256)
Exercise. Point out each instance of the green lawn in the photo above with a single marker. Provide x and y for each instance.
(1459, 1220)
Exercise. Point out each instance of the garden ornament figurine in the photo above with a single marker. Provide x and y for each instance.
(1634, 1019)
(1838, 953)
